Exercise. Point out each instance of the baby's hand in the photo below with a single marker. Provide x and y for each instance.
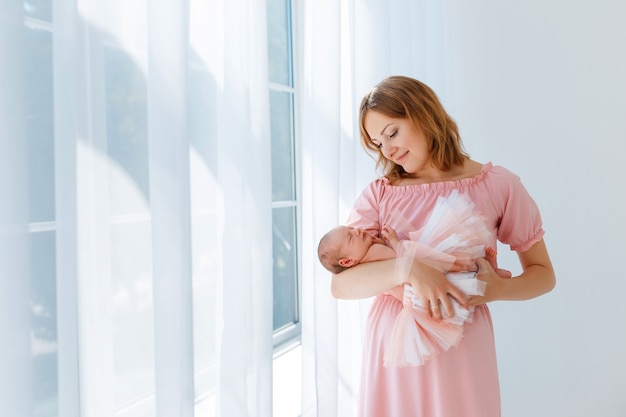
(463, 263)
(376, 239)
(389, 233)
(491, 257)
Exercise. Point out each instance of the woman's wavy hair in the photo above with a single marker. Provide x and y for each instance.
(407, 98)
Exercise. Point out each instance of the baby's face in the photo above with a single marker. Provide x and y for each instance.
(354, 243)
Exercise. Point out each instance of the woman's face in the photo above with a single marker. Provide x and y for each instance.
(399, 140)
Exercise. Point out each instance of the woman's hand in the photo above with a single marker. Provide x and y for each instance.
(493, 278)
(434, 290)
(536, 279)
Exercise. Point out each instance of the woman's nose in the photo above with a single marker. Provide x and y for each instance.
(387, 150)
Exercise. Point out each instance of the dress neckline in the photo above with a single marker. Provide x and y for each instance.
(444, 185)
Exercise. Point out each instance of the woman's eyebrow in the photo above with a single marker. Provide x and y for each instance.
(385, 128)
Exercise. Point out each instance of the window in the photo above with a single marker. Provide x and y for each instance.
(42, 217)
(284, 174)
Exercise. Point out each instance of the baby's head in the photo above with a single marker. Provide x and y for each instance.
(343, 247)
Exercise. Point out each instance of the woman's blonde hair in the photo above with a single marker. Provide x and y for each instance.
(407, 98)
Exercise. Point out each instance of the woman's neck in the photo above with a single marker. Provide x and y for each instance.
(431, 174)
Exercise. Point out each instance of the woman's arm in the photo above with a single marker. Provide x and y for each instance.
(372, 278)
(378, 252)
(365, 280)
(536, 279)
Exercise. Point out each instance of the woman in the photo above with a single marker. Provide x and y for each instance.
(421, 155)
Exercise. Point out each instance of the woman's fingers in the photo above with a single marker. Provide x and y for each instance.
(484, 267)
(435, 309)
(435, 291)
(447, 306)
(492, 278)
(442, 307)
(458, 295)
(504, 273)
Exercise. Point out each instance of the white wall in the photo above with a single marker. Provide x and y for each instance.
(540, 87)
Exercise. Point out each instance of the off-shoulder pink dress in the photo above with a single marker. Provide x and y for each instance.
(463, 381)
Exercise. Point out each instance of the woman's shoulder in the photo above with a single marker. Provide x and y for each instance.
(498, 170)
(504, 186)
(498, 175)
(481, 171)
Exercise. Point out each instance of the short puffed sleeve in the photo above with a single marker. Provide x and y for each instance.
(365, 213)
(520, 225)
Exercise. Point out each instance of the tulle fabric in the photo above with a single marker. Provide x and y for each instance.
(454, 230)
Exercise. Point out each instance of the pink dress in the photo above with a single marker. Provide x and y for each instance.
(463, 381)
(454, 228)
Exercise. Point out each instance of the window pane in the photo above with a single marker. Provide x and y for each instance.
(127, 132)
(279, 43)
(38, 9)
(282, 147)
(44, 324)
(39, 124)
(285, 267)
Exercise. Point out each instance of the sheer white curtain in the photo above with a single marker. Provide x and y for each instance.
(232, 47)
(157, 242)
(136, 268)
(347, 47)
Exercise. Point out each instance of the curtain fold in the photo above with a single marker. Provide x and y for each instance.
(319, 109)
(346, 48)
(242, 245)
(169, 189)
(67, 68)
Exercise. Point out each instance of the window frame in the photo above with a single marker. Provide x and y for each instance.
(289, 336)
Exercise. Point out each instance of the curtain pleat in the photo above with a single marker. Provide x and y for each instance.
(347, 47)
(168, 160)
(242, 143)
(67, 69)
(320, 132)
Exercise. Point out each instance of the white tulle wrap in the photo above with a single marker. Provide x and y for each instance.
(454, 229)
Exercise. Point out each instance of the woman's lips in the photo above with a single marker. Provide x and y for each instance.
(402, 158)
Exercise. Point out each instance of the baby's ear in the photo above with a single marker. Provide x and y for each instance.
(346, 262)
